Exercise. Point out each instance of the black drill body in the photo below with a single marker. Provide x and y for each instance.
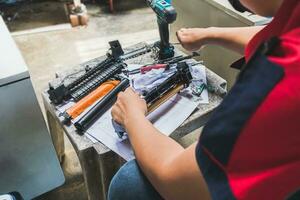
(166, 15)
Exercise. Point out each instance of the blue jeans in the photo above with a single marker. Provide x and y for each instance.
(131, 184)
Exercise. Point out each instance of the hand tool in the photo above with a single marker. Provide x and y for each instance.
(101, 107)
(89, 100)
(166, 63)
(166, 15)
(147, 68)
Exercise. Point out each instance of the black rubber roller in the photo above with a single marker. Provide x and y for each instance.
(100, 108)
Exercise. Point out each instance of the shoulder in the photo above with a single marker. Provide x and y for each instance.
(288, 53)
(287, 56)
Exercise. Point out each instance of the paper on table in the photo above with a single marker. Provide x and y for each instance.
(103, 131)
(166, 119)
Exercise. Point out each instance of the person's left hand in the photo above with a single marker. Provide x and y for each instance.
(192, 39)
(128, 106)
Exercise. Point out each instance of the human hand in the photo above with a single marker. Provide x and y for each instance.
(128, 106)
(192, 39)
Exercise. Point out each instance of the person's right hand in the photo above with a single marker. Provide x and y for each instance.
(128, 106)
(192, 39)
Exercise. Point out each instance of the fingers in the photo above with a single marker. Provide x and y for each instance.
(191, 39)
(178, 37)
(128, 102)
(119, 104)
(145, 106)
(115, 113)
(130, 91)
(120, 94)
(126, 94)
(120, 101)
(179, 34)
(127, 90)
(182, 36)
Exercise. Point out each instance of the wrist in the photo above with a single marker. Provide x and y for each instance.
(211, 36)
(134, 119)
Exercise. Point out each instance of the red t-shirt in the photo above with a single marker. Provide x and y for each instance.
(264, 157)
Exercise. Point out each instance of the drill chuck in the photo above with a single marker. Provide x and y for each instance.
(164, 10)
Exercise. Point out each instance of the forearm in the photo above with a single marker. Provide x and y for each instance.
(152, 149)
(235, 39)
(154, 152)
(166, 164)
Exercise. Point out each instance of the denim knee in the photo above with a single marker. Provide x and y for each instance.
(131, 184)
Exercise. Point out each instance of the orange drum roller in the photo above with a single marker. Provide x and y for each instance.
(89, 100)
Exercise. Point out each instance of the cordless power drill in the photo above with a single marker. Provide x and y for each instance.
(166, 15)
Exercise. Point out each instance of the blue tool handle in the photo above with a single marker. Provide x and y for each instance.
(163, 33)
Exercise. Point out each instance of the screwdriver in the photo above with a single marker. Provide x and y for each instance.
(162, 64)
(147, 68)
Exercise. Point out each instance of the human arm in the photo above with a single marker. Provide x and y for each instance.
(171, 169)
(236, 39)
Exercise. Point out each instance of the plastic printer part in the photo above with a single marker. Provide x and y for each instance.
(162, 93)
(89, 100)
(86, 83)
(95, 76)
(181, 78)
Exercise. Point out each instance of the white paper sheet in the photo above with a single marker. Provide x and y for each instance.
(166, 119)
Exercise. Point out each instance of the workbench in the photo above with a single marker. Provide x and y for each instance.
(99, 163)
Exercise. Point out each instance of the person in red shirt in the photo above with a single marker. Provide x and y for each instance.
(250, 147)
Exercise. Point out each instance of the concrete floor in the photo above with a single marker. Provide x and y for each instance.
(40, 14)
(48, 52)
